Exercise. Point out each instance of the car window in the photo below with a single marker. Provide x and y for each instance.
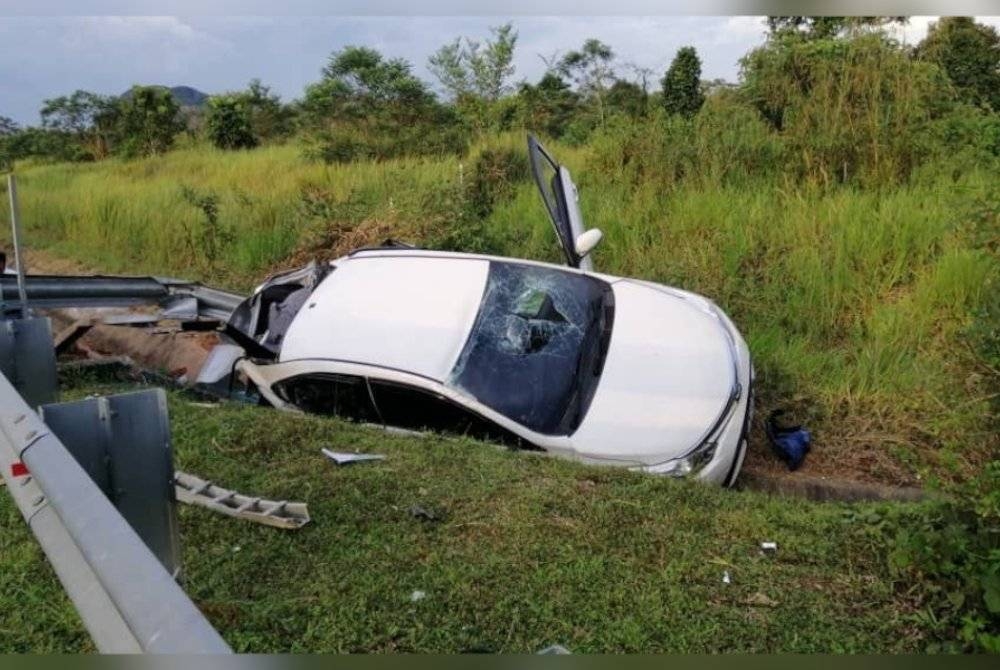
(536, 350)
(345, 396)
(403, 406)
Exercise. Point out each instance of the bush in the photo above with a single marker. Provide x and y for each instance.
(347, 142)
(228, 122)
(493, 177)
(951, 550)
(849, 110)
(725, 143)
(207, 239)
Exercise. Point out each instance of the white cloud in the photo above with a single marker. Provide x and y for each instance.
(133, 30)
(742, 29)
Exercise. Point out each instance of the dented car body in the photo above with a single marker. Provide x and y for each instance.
(602, 369)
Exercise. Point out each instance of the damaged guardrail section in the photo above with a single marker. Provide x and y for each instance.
(127, 600)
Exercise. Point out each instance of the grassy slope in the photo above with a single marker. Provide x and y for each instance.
(531, 551)
(852, 301)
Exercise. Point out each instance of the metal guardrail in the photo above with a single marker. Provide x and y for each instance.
(55, 291)
(127, 600)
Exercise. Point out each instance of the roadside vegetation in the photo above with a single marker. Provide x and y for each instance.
(841, 202)
(511, 552)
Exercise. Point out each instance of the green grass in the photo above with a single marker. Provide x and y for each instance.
(853, 301)
(530, 551)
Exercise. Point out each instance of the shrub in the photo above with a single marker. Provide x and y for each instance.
(951, 550)
(848, 109)
(228, 122)
(207, 239)
(493, 177)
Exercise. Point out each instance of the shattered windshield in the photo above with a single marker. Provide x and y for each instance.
(537, 348)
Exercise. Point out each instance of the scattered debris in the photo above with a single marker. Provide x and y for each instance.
(554, 649)
(768, 548)
(204, 405)
(194, 490)
(726, 579)
(790, 443)
(417, 596)
(345, 458)
(760, 600)
(69, 336)
(424, 514)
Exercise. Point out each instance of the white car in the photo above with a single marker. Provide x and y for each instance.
(601, 369)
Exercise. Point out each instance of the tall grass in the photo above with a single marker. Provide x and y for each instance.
(852, 300)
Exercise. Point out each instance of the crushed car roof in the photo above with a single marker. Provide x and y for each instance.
(412, 314)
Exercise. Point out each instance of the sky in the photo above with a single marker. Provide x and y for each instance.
(44, 57)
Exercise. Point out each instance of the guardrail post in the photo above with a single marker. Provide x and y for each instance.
(126, 598)
(28, 359)
(123, 442)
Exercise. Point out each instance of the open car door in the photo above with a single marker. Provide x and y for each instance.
(561, 200)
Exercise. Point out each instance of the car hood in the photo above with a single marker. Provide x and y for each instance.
(668, 377)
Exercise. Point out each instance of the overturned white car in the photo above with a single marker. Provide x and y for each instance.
(561, 359)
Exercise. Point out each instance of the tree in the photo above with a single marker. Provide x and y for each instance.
(826, 27)
(476, 69)
(367, 106)
(268, 117)
(229, 122)
(8, 126)
(549, 105)
(592, 70)
(682, 84)
(85, 118)
(8, 129)
(626, 97)
(149, 120)
(969, 53)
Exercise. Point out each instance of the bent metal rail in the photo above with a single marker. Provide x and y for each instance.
(128, 602)
(58, 291)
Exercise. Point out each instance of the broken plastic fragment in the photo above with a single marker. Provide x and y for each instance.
(417, 596)
(768, 548)
(343, 458)
(726, 579)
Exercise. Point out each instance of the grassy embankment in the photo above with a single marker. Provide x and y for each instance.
(528, 551)
(853, 301)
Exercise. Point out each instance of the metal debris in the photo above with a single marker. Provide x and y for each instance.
(194, 490)
(346, 458)
(768, 548)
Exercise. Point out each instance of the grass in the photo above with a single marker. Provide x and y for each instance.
(853, 301)
(529, 551)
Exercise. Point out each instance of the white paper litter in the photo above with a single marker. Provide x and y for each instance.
(343, 458)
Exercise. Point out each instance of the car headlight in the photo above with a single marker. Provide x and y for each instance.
(687, 464)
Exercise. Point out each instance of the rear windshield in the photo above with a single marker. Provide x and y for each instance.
(537, 348)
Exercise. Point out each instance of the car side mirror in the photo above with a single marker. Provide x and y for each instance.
(587, 240)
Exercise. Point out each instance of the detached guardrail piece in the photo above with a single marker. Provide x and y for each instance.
(123, 442)
(28, 359)
(126, 599)
(194, 490)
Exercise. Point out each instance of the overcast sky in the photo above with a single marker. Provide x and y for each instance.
(44, 57)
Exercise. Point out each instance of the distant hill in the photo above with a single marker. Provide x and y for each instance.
(184, 95)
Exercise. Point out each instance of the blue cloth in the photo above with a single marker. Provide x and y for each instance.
(790, 443)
